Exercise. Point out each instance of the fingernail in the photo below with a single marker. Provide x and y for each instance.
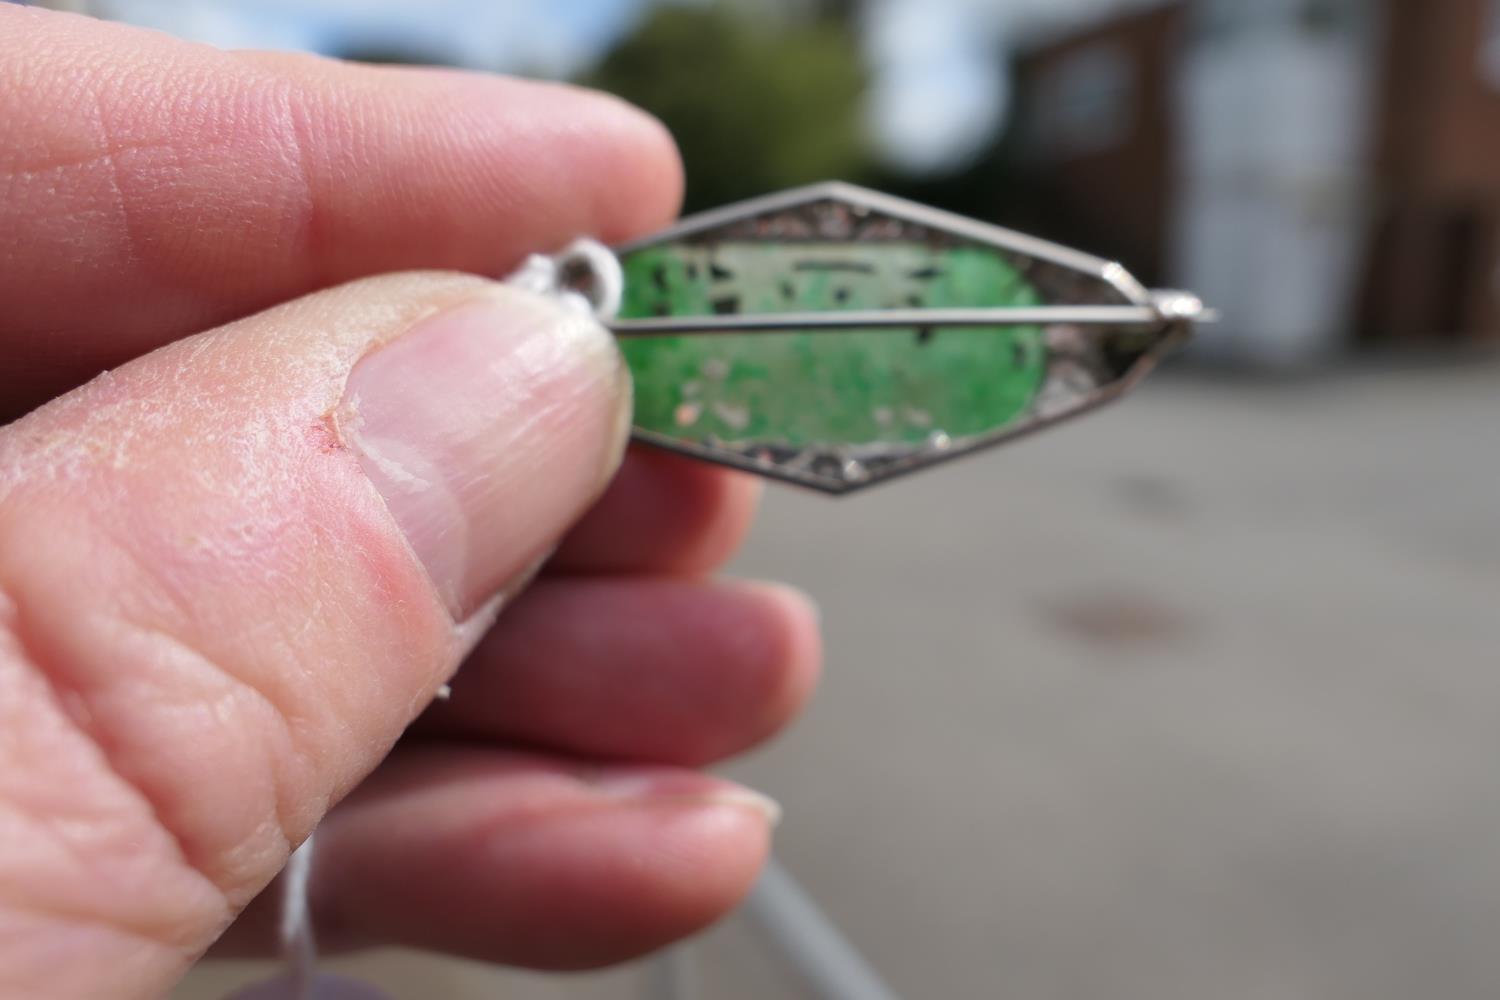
(796, 600)
(688, 789)
(488, 428)
(745, 798)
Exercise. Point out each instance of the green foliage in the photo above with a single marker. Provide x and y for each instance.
(756, 103)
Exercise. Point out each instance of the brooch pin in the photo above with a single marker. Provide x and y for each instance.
(835, 337)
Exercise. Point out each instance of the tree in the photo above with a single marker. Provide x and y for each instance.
(756, 103)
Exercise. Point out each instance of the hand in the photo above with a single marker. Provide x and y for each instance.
(237, 566)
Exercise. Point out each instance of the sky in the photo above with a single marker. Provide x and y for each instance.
(937, 93)
(939, 88)
(552, 37)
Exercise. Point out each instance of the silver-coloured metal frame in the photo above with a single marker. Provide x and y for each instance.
(660, 326)
(906, 211)
(1170, 314)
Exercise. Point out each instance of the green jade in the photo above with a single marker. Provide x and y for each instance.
(860, 391)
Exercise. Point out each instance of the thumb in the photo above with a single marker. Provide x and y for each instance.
(232, 571)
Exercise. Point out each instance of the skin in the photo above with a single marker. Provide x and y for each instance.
(220, 626)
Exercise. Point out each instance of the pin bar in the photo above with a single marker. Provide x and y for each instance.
(1128, 315)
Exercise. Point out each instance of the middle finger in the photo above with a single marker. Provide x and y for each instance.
(663, 670)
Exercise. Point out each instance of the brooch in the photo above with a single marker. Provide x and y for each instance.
(836, 337)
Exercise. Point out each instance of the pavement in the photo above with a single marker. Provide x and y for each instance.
(1199, 697)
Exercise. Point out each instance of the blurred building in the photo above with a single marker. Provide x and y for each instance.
(1326, 172)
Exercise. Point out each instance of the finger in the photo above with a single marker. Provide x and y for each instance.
(230, 574)
(527, 860)
(662, 514)
(657, 670)
(150, 188)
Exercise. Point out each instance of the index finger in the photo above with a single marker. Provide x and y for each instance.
(151, 188)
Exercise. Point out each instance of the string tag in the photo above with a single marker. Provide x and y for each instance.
(300, 979)
(585, 276)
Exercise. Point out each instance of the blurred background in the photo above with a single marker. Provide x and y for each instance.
(1201, 696)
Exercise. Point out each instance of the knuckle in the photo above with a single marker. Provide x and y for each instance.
(83, 854)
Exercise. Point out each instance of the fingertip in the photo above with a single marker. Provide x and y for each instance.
(736, 495)
(536, 862)
(677, 867)
(617, 165)
(487, 428)
(792, 627)
(642, 149)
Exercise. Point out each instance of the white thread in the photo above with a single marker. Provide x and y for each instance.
(585, 276)
(299, 948)
(537, 273)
